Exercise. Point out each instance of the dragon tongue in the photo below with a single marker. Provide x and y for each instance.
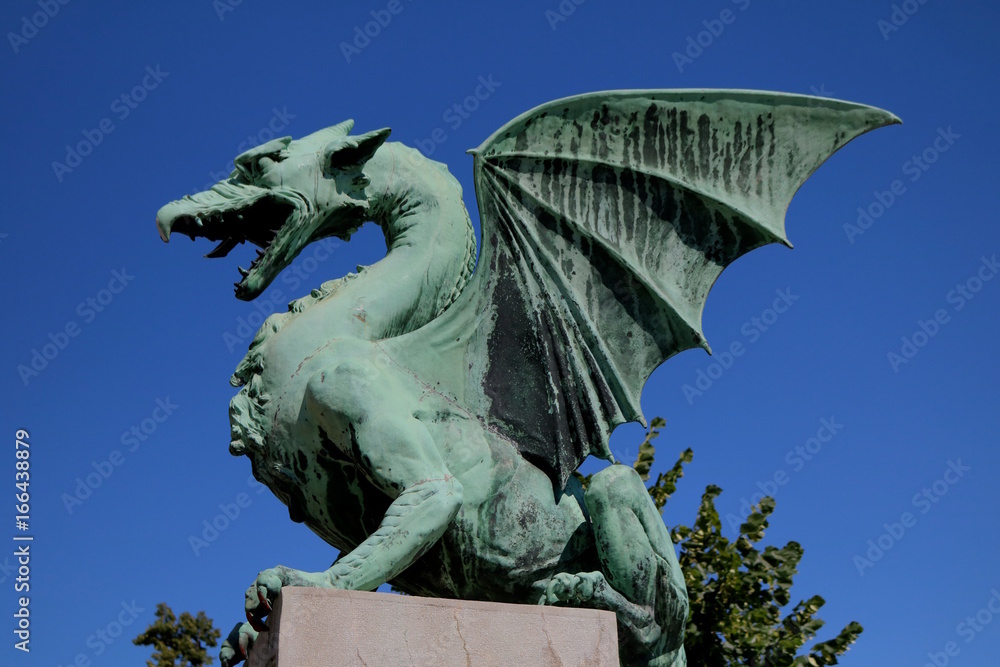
(223, 248)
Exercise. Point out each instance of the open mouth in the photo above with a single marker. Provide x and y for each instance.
(233, 213)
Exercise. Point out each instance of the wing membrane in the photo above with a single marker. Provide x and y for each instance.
(606, 220)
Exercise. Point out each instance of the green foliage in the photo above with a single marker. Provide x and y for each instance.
(179, 642)
(736, 590)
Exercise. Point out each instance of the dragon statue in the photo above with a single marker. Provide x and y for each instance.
(425, 415)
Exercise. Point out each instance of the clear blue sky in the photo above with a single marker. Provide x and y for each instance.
(144, 335)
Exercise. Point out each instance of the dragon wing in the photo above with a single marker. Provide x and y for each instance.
(606, 218)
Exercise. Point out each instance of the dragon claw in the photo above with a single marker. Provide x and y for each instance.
(255, 623)
(572, 588)
(236, 647)
(262, 596)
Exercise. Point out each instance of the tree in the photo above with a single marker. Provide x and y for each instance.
(179, 642)
(736, 591)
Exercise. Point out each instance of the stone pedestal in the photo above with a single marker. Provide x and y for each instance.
(313, 627)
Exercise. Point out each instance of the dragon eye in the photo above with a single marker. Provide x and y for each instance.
(245, 170)
(252, 163)
(247, 166)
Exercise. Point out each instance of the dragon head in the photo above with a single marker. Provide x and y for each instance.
(282, 196)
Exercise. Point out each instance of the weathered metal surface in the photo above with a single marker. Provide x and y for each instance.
(424, 418)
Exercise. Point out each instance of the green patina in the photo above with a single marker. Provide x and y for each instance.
(425, 415)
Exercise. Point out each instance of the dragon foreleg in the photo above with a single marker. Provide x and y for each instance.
(413, 523)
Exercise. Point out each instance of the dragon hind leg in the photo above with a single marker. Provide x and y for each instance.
(641, 579)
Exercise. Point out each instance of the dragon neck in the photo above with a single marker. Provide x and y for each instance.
(429, 236)
(431, 257)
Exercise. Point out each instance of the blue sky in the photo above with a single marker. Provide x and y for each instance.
(896, 245)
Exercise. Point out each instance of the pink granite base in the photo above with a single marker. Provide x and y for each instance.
(313, 627)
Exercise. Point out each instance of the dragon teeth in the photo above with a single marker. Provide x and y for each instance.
(223, 248)
(243, 272)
